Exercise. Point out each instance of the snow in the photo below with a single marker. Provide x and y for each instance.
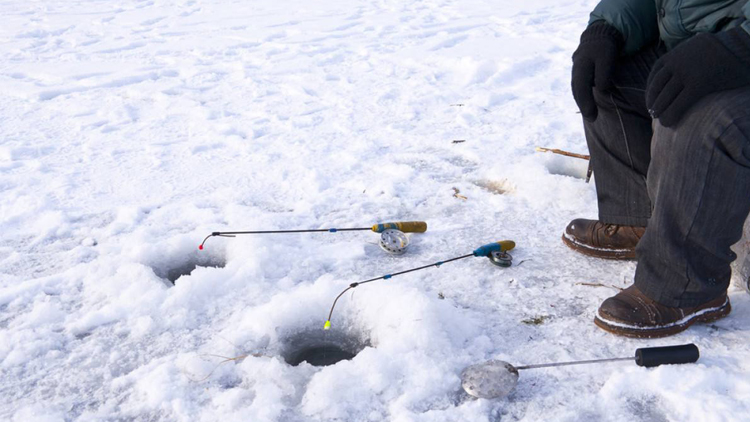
(131, 130)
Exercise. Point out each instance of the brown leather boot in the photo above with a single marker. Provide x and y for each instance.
(609, 241)
(630, 313)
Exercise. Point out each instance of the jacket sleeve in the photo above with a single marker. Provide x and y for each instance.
(746, 11)
(635, 19)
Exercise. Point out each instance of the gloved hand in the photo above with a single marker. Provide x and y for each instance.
(593, 64)
(704, 64)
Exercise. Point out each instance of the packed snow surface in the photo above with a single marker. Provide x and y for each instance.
(130, 130)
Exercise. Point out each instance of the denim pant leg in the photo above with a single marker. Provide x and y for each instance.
(699, 182)
(619, 142)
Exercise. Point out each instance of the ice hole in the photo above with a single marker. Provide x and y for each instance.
(177, 267)
(567, 166)
(322, 348)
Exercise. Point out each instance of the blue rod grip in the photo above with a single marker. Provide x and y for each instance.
(502, 246)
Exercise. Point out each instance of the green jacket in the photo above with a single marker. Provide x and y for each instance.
(642, 22)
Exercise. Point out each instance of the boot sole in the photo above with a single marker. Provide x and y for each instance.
(703, 316)
(614, 254)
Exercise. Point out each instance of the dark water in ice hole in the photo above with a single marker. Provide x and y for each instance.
(322, 348)
(319, 355)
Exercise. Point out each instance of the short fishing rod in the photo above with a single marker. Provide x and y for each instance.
(497, 252)
(390, 229)
(562, 152)
(571, 154)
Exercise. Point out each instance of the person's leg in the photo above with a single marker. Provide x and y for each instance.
(619, 141)
(699, 183)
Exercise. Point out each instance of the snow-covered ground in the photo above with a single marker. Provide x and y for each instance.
(130, 130)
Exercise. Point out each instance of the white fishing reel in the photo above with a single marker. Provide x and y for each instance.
(394, 241)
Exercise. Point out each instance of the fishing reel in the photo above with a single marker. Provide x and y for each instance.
(393, 241)
(501, 259)
(498, 253)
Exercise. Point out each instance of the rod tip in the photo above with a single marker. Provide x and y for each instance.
(327, 325)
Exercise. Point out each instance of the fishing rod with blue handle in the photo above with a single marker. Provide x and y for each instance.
(497, 252)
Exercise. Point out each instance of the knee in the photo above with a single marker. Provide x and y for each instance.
(720, 120)
(713, 115)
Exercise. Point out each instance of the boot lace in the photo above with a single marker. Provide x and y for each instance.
(611, 229)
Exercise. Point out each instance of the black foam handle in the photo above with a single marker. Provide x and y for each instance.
(655, 356)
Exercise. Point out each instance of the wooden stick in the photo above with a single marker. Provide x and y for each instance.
(599, 285)
(565, 153)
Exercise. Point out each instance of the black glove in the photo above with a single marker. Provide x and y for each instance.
(704, 64)
(593, 63)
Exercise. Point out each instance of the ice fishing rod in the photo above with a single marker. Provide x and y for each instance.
(496, 378)
(565, 153)
(497, 252)
(589, 171)
(392, 237)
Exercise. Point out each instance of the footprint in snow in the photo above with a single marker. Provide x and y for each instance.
(150, 22)
(450, 43)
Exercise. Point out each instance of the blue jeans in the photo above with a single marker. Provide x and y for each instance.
(689, 184)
